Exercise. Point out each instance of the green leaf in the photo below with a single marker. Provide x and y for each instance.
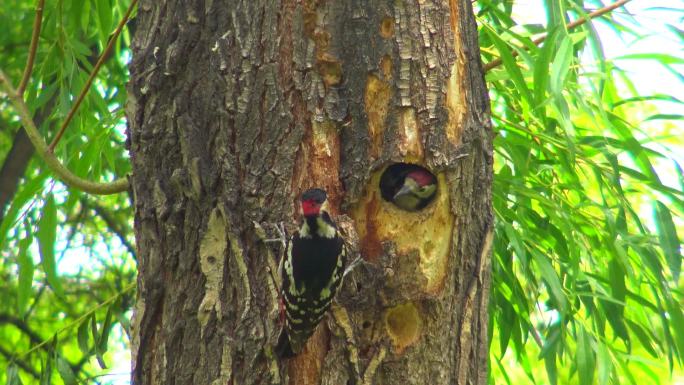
(516, 242)
(503, 370)
(85, 15)
(669, 241)
(108, 153)
(643, 337)
(677, 319)
(46, 373)
(549, 353)
(104, 13)
(664, 117)
(648, 370)
(98, 353)
(604, 363)
(550, 277)
(46, 94)
(561, 65)
(66, 372)
(124, 322)
(26, 269)
(641, 98)
(106, 328)
(680, 172)
(541, 69)
(47, 235)
(661, 58)
(585, 358)
(510, 65)
(614, 310)
(13, 375)
(507, 318)
(82, 337)
(27, 192)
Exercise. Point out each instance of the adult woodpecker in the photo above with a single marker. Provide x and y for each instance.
(409, 187)
(311, 272)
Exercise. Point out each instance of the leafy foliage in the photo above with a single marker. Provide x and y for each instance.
(587, 262)
(583, 280)
(65, 258)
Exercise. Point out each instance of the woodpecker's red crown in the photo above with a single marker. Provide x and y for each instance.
(312, 201)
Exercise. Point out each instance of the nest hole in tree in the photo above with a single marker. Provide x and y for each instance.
(423, 187)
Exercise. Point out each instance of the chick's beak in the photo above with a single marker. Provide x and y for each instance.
(403, 191)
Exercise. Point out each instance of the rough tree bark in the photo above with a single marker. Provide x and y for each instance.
(238, 106)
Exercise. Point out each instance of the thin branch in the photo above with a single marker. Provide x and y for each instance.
(34, 337)
(112, 223)
(23, 365)
(81, 318)
(94, 72)
(17, 159)
(599, 12)
(37, 24)
(53, 163)
(36, 299)
(17, 322)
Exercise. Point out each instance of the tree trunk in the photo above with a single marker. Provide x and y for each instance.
(234, 109)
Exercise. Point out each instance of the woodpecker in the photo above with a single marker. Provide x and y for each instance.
(409, 187)
(311, 271)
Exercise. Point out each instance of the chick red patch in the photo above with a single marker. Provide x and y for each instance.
(421, 177)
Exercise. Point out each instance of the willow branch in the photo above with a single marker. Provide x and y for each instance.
(9, 357)
(34, 337)
(80, 319)
(66, 176)
(17, 322)
(91, 78)
(37, 24)
(599, 12)
(112, 223)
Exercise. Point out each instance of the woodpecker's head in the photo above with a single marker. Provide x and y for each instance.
(417, 191)
(313, 202)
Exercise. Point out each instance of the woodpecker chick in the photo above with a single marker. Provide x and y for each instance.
(408, 186)
(417, 190)
(311, 272)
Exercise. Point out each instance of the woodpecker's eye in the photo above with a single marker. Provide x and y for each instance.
(408, 186)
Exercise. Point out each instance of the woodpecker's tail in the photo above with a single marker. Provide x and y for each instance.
(284, 349)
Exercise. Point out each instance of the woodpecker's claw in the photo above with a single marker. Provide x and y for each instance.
(357, 261)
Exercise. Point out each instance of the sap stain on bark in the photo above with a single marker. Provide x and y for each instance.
(387, 27)
(403, 325)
